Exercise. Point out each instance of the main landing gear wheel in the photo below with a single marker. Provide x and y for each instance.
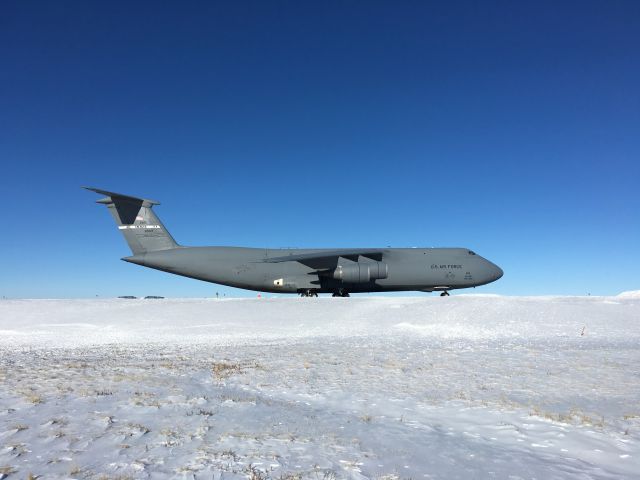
(308, 293)
(340, 293)
(444, 294)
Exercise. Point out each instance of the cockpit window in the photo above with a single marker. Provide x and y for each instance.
(471, 253)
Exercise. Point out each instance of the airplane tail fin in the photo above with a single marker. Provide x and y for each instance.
(142, 229)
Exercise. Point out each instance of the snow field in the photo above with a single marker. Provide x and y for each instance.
(459, 387)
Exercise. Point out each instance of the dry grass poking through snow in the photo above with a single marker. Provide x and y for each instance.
(391, 389)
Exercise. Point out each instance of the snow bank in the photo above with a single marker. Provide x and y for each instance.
(630, 294)
(77, 323)
(458, 387)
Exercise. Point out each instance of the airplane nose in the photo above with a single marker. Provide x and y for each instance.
(492, 271)
(496, 271)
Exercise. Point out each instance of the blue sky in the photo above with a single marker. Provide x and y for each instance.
(509, 128)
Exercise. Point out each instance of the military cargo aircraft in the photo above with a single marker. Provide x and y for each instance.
(307, 272)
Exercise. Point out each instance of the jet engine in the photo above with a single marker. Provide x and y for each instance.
(361, 272)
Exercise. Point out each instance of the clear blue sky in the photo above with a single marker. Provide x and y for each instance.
(512, 128)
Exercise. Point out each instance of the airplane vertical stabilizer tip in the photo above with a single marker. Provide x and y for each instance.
(120, 195)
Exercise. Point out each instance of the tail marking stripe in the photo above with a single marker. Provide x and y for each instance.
(124, 227)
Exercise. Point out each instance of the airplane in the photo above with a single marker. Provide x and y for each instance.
(307, 272)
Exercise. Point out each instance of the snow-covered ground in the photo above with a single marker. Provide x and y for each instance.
(321, 388)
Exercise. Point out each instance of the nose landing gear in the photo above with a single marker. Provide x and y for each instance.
(444, 294)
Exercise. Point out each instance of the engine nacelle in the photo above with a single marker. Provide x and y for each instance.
(361, 272)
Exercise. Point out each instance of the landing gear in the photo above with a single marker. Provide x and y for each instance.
(308, 293)
(340, 293)
(444, 294)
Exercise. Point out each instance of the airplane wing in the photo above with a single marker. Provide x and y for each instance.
(328, 258)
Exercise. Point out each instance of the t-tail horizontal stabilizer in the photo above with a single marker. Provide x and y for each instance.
(142, 229)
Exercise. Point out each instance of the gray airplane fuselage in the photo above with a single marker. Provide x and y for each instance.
(305, 271)
(421, 269)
